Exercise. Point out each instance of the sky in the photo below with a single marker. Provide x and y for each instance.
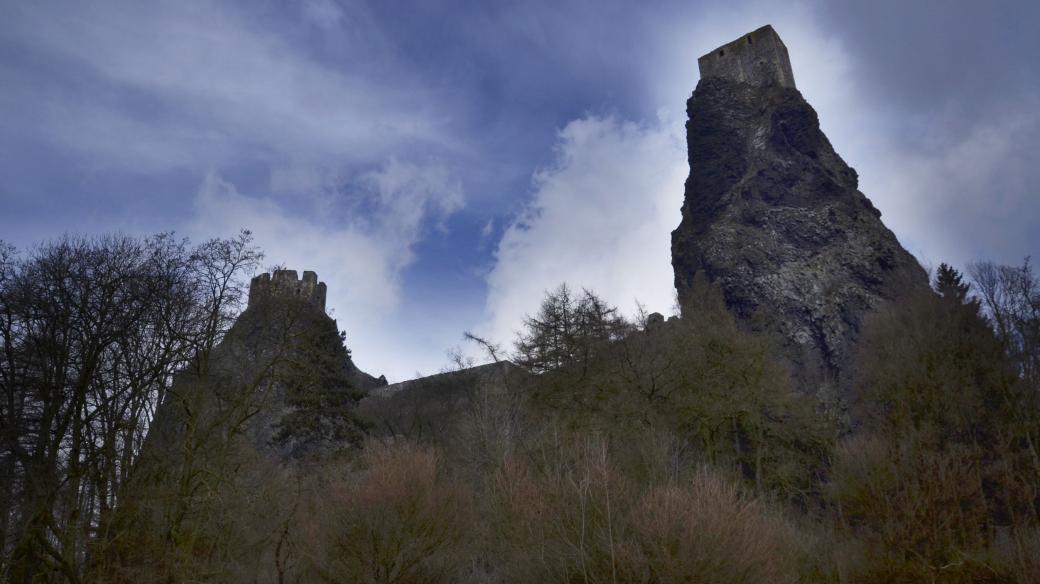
(441, 164)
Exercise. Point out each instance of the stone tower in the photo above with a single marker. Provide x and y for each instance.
(773, 215)
(757, 58)
(286, 284)
(267, 289)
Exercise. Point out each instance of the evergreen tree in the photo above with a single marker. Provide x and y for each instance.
(950, 285)
(567, 330)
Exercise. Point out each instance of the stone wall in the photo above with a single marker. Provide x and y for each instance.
(757, 58)
(286, 284)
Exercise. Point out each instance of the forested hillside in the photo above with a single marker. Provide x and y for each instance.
(660, 450)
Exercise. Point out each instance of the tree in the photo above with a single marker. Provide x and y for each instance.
(950, 285)
(1011, 301)
(91, 334)
(728, 391)
(567, 330)
(934, 468)
(718, 388)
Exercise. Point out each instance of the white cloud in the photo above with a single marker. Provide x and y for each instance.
(486, 232)
(600, 218)
(404, 194)
(322, 13)
(360, 257)
(176, 85)
(964, 198)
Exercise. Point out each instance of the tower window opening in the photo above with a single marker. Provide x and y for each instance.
(749, 39)
(722, 53)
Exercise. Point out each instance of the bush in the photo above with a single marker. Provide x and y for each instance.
(581, 518)
(919, 513)
(721, 388)
(937, 476)
(400, 519)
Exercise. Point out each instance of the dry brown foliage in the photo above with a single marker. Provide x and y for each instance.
(399, 518)
(583, 519)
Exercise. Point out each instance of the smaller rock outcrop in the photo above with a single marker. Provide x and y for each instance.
(281, 377)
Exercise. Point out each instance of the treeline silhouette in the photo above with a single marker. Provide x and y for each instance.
(617, 450)
(92, 331)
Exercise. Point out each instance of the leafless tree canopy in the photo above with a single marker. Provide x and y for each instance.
(92, 331)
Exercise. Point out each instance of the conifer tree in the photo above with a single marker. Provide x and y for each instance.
(950, 285)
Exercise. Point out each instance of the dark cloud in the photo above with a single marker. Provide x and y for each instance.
(116, 115)
(961, 81)
(930, 56)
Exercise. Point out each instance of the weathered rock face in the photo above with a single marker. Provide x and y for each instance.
(773, 214)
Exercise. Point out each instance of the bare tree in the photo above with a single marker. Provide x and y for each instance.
(1011, 300)
(91, 333)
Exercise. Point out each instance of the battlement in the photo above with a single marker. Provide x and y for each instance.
(757, 58)
(286, 284)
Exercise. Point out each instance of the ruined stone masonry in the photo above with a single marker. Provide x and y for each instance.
(286, 284)
(757, 58)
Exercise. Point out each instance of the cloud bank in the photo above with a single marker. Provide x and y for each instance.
(600, 218)
(360, 256)
(393, 150)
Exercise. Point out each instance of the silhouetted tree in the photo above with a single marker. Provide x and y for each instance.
(91, 333)
(567, 330)
(935, 468)
(949, 284)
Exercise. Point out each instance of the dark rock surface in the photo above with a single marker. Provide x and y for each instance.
(774, 216)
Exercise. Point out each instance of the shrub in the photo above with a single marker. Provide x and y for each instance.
(400, 519)
(582, 519)
(919, 513)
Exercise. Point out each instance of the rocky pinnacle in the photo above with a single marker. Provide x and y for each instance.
(773, 215)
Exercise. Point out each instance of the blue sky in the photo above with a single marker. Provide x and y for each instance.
(440, 164)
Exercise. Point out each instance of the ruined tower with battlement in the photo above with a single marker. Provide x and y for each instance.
(286, 284)
(757, 58)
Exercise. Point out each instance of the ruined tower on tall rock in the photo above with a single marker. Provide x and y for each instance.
(281, 379)
(773, 215)
(285, 286)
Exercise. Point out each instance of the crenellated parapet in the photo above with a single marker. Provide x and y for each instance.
(286, 284)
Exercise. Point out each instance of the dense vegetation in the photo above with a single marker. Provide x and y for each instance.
(647, 451)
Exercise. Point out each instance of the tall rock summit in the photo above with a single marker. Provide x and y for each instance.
(774, 216)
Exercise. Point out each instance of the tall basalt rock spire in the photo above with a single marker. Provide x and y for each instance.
(773, 215)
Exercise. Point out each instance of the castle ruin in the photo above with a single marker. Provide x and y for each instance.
(286, 284)
(757, 58)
